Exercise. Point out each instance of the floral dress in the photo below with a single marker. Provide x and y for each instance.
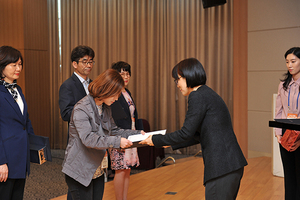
(125, 158)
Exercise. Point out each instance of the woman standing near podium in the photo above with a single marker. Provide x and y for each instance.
(287, 106)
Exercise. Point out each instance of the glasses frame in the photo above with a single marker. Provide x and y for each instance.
(125, 75)
(176, 80)
(85, 63)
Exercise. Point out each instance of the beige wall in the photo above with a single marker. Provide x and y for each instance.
(273, 27)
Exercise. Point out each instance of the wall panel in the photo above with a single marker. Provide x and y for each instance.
(240, 101)
(273, 28)
(24, 26)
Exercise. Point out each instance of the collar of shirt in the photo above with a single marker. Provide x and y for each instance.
(82, 79)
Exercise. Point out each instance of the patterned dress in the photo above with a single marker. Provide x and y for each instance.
(125, 158)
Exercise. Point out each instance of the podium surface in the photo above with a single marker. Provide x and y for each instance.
(292, 124)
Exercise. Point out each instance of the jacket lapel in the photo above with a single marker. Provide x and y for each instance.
(95, 109)
(8, 97)
(78, 85)
(105, 118)
(124, 104)
(25, 105)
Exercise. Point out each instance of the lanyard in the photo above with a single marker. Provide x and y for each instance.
(289, 100)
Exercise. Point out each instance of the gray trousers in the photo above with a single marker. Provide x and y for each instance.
(225, 187)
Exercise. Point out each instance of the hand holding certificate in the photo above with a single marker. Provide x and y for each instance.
(136, 139)
(140, 137)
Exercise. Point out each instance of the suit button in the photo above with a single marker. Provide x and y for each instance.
(24, 128)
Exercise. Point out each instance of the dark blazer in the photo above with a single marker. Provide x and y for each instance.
(121, 113)
(207, 122)
(70, 92)
(14, 130)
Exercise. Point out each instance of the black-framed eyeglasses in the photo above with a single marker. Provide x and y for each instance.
(124, 74)
(85, 62)
(176, 80)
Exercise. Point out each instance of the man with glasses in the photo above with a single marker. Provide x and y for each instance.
(76, 87)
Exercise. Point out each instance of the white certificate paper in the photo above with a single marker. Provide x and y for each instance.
(140, 137)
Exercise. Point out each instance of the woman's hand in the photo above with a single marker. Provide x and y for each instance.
(295, 146)
(125, 143)
(147, 141)
(143, 132)
(279, 138)
(3, 172)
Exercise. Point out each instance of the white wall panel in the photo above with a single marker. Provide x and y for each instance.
(266, 48)
(273, 14)
(273, 27)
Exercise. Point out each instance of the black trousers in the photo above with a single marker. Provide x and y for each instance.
(291, 169)
(94, 191)
(225, 187)
(12, 189)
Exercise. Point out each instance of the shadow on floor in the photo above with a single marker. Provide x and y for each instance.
(46, 181)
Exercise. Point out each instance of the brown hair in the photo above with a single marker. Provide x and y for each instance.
(109, 83)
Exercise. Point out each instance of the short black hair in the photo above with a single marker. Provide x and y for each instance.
(8, 55)
(192, 70)
(121, 65)
(81, 51)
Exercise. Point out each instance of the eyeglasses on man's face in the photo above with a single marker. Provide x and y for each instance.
(85, 62)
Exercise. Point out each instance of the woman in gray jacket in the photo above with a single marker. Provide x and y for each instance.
(92, 130)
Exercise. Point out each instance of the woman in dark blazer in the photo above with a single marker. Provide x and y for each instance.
(124, 113)
(207, 122)
(14, 127)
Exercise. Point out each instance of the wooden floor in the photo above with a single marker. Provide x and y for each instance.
(185, 178)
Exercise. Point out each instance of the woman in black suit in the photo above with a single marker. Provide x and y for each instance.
(14, 127)
(125, 116)
(207, 122)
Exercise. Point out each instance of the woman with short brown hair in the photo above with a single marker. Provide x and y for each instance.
(92, 130)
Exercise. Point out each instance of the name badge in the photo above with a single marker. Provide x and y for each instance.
(292, 116)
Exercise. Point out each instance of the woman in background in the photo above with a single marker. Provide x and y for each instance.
(92, 130)
(14, 127)
(287, 106)
(125, 115)
(207, 122)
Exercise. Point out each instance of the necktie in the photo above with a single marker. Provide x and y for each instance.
(86, 85)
